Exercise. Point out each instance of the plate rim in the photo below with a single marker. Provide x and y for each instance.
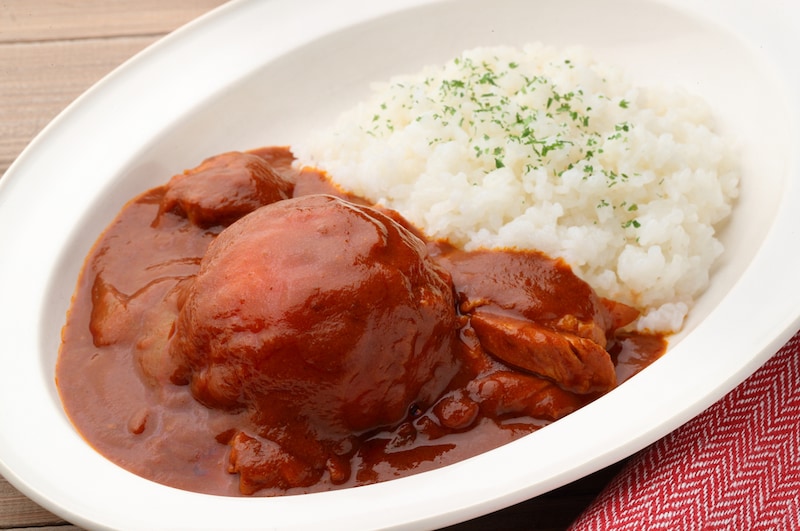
(177, 43)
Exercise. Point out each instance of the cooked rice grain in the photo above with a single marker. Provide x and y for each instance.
(547, 149)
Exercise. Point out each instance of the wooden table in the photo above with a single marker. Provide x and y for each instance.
(50, 52)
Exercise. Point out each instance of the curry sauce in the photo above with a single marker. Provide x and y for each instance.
(248, 328)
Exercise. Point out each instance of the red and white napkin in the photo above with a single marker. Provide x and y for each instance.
(734, 467)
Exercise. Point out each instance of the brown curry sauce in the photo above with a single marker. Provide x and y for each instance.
(165, 378)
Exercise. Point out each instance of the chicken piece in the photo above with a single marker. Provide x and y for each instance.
(111, 320)
(574, 363)
(533, 313)
(322, 318)
(513, 393)
(224, 188)
(262, 463)
(528, 285)
(621, 314)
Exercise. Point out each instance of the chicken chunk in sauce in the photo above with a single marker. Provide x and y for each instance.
(315, 363)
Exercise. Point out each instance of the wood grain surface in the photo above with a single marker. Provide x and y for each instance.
(51, 51)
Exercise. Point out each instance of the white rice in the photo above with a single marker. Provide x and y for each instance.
(547, 149)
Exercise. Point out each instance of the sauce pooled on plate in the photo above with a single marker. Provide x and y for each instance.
(248, 328)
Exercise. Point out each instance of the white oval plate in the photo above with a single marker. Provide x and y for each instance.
(254, 73)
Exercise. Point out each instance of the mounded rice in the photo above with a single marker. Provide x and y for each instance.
(547, 149)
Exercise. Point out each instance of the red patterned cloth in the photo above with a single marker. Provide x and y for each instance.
(735, 466)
